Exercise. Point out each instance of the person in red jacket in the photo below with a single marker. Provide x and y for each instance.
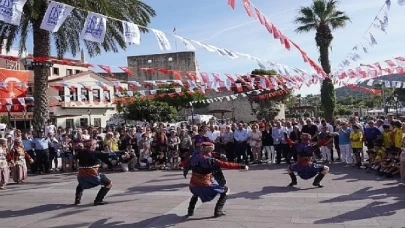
(207, 179)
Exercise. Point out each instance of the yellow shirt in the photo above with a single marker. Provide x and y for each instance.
(386, 139)
(397, 135)
(380, 154)
(112, 143)
(358, 140)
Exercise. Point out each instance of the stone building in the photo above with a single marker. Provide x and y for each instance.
(183, 62)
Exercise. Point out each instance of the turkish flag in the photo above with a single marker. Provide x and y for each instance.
(127, 70)
(231, 3)
(246, 4)
(259, 15)
(12, 89)
(176, 74)
(107, 69)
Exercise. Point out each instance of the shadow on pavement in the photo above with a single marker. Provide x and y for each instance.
(160, 221)
(33, 210)
(374, 209)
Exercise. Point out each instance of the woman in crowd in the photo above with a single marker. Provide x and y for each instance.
(255, 141)
(228, 141)
(18, 161)
(4, 168)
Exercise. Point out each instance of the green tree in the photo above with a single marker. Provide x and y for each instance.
(180, 102)
(67, 39)
(149, 110)
(323, 16)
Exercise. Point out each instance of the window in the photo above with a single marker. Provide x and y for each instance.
(69, 123)
(84, 94)
(149, 61)
(97, 122)
(78, 71)
(84, 122)
(69, 72)
(107, 96)
(170, 59)
(96, 95)
(73, 94)
(55, 71)
(61, 93)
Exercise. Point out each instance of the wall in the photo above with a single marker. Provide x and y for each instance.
(182, 61)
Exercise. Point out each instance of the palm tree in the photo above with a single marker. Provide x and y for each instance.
(67, 39)
(323, 16)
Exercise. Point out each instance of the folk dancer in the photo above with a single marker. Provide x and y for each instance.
(88, 176)
(304, 166)
(4, 168)
(201, 184)
(18, 160)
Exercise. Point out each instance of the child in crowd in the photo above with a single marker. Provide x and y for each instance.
(376, 156)
(175, 161)
(145, 157)
(356, 138)
(390, 165)
(161, 161)
(386, 137)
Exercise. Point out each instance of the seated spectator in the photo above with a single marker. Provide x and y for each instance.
(161, 161)
(175, 161)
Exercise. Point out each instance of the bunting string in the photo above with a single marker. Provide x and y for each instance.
(367, 40)
(277, 34)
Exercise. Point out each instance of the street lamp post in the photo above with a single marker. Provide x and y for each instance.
(89, 113)
(396, 105)
(192, 115)
(8, 106)
(25, 120)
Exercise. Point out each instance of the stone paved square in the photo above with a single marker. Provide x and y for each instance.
(259, 198)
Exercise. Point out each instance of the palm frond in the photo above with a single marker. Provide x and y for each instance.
(339, 22)
(319, 7)
(306, 28)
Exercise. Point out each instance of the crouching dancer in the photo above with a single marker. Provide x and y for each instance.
(304, 166)
(88, 176)
(202, 186)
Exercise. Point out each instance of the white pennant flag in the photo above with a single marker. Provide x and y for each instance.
(398, 84)
(186, 43)
(21, 100)
(58, 98)
(370, 82)
(387, 84)
(205, 46)
(9, 101)
(55, 15)
(94, 28)
(132, 34)
(177, 90)
(106, 94)
(163, 42)
(130, 93)
(11, 11)
(152, 92)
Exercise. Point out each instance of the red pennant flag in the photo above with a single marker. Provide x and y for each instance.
(216, 77)
(149, 70)
(230, 78)
(127, 70)
(286, 43)
(191, 75)
(400, 58)
(240, 78)
(378, 66)
(276, 33)
(260, 16)
(59, 88)
(176, 74)
(231, 3)
(268, 25)
(390, 63)
(164, 70)
(400, 70)
(107, 69)
(204, 77)
(246, 4)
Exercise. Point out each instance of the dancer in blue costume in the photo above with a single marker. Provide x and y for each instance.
(304, 166)
(207, 179)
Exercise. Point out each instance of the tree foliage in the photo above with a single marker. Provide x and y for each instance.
(67, 39)
(323, 16)
(149, 110)
(180, 102)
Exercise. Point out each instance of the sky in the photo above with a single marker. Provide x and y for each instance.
(214, 22)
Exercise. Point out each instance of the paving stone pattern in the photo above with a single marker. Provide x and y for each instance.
(259, 198)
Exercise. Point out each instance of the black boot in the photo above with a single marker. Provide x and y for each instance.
(78, 196)
(220, 205)
(318, 179)
(191, 205)
(293, 180)
(100, 196)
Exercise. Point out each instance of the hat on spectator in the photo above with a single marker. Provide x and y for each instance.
(207, 144)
